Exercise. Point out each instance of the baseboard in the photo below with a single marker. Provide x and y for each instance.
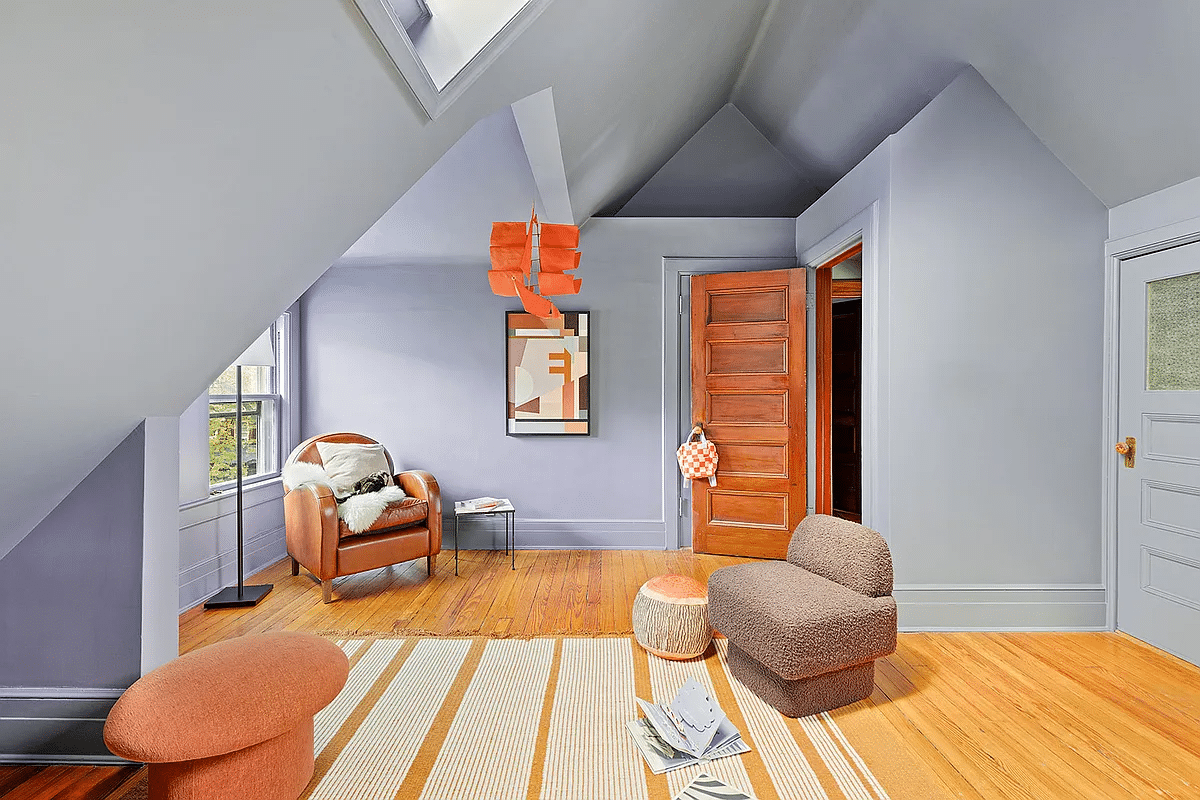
(487, 533)
(201, 581)
(1001, 608)
(53, 725)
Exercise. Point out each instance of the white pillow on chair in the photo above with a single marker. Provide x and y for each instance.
(346, 464)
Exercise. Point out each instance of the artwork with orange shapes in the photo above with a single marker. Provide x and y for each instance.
(548, 374)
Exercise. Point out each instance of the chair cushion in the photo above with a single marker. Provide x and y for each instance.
(347, 463)
(408, 511)
(798, 624)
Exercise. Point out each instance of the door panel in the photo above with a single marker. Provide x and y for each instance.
(748, 390)
(1158, 498)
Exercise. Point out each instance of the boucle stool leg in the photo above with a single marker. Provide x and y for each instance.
(805, 696)
(277, 769)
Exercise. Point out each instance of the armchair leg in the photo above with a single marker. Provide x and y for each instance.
(431, 563)
(327, 591)
(295, 567)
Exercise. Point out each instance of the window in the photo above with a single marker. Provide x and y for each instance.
(441, 46)
(262, 405)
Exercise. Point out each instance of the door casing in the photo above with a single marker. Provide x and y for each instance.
(1117, 251)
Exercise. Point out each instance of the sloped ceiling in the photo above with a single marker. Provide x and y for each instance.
(173, 181)
(446, 217)
(728, 169)
(1108, 86)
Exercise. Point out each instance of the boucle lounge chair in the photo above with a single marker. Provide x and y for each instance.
(804, 633)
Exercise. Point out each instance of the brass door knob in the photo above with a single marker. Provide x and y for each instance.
(1128, 449)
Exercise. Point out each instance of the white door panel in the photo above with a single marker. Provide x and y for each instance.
(1158, 498)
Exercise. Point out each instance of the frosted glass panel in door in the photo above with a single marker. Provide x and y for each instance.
(1173, 333)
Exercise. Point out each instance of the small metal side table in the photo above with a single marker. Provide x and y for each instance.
(510, 526)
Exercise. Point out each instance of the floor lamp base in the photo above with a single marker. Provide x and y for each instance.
(229, 598)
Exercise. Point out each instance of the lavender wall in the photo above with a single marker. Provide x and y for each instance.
(414, 356)
(70, 592)
(71, 623)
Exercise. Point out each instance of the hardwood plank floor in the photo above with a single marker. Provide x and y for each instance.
(1042, 716)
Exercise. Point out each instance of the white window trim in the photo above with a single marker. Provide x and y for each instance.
(283, 396)
(403, 53)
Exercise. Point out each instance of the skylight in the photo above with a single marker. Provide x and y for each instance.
(442, 46)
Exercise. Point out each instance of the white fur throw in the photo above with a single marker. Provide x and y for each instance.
(361, 510)
(358, 512)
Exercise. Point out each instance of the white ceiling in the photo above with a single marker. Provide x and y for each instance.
(1108, 85)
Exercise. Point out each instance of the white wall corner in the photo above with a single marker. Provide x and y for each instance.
(160, 543)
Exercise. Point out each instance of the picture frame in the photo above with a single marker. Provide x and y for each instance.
(547, 366)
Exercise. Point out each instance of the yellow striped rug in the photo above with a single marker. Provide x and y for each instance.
(544, 719)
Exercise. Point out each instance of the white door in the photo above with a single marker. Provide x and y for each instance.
(1158, 497)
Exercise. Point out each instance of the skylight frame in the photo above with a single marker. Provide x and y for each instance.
(403, 54)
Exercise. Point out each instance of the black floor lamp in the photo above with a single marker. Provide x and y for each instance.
(258, 354)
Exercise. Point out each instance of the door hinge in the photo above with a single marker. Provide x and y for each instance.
(681, 304)
(682, 507)
(810, 301)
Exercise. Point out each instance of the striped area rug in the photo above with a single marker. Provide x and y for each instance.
(544, 719)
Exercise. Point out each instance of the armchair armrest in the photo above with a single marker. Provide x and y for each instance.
(420, 484)
(311, 524)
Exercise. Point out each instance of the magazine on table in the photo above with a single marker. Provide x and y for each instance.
(481, 503)
(690, 730)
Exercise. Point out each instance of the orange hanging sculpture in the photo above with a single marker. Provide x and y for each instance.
(531, 262)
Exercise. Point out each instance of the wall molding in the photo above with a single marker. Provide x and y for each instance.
(1050, 607)
(487, 533)
(55, 725)
(225, 504)
(201, 581)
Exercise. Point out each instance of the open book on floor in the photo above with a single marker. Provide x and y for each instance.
(706, 787)
(691, 730)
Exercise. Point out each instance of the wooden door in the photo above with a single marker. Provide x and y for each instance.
(1158, 487)
(748, 391)
(846, 409)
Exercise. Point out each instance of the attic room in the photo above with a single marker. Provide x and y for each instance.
(981, 218)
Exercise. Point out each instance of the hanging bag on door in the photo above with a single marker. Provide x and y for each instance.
(698, 459)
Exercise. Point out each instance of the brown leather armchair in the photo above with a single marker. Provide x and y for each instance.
(322, 543)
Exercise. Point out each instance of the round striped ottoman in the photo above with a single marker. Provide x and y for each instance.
(670, 617)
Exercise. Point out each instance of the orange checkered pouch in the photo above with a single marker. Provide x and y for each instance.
(698, 459)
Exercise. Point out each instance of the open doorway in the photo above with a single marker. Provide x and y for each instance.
(838, 355)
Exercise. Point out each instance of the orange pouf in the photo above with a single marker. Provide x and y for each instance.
(231, 720)
(670, 617)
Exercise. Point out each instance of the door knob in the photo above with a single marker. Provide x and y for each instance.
(1128, 449)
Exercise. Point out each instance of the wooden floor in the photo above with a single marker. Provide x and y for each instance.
(1041, 716)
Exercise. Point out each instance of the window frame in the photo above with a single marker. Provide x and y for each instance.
(281, 338)
(403, 53)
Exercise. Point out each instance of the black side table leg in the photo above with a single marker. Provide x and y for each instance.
(512, 520)
(456, 544)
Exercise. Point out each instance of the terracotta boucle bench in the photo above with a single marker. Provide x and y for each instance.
(231, 720)
(804, 633)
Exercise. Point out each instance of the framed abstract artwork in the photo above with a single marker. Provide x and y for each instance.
(547, 374)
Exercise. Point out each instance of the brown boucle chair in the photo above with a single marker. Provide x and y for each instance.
(804, 633)
(234, 719)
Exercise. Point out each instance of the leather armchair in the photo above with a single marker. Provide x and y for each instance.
(322, 544)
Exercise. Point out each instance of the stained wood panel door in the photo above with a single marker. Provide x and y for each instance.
(748, 391)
